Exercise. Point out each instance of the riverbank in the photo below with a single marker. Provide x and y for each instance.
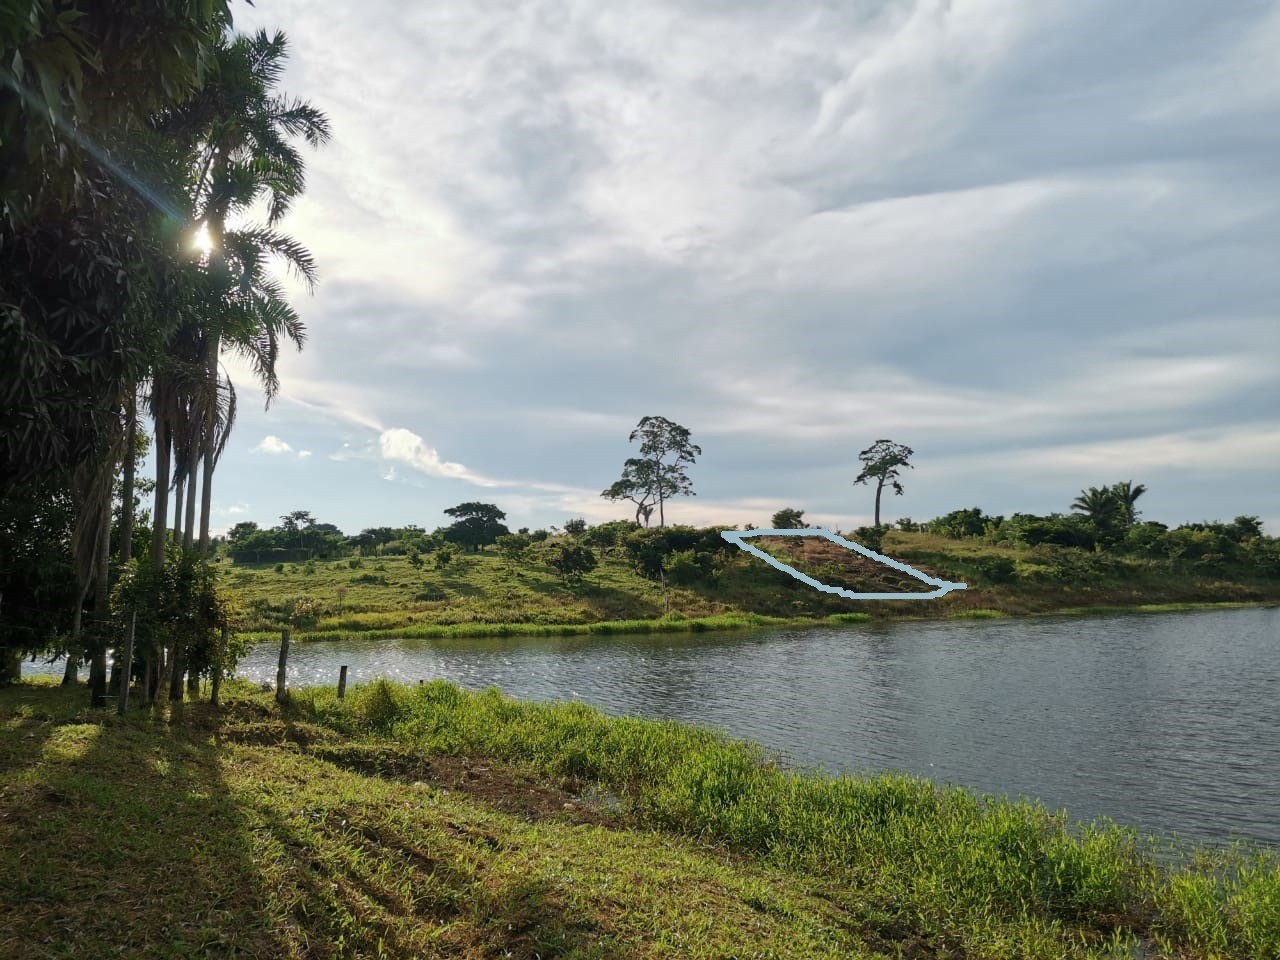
(487, 595)
(434, 822)
(681, 624)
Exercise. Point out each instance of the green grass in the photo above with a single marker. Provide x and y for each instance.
(484, 595)
(429, 821)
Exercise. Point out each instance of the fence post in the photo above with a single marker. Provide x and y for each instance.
(342, 681)
(280, 671)
(126, 668)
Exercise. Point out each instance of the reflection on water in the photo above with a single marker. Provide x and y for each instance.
(1166, 722)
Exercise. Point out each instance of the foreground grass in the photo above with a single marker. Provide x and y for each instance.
(429, 821)
(484, 595)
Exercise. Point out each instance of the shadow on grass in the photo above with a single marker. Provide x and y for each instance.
(130, 837)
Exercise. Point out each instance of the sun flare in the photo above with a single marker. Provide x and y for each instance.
(202, 242)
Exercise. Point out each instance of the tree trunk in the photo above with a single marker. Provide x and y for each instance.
(70, 673)
(188, 527)
(158, 515)
(176, 673)
(101, 605)
(879, 490)
(130, 465)
(179, 489)
(10, 665)
(209, 442)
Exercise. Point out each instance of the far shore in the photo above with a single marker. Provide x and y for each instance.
(680, 624)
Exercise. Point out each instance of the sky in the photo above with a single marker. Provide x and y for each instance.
(1036, 242)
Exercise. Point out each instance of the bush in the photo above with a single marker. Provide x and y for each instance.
(355, 563)
(686, 567)
(570, 559)
(279, 568)
(609, 534)
(575, 527)
(995, 569)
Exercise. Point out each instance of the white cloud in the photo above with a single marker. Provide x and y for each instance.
(407, 447)
(303, 454)
(273, 445)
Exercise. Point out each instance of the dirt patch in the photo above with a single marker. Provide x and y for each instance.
(495, 784)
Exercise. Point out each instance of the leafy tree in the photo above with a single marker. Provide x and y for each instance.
(959, 524)
(569, 558)
(883, 462)
(1246, 528)
(660, 472)
(297, 522)
(476, 524)
(241, 531)
(575, 527)
(789, 518)
(514, 546)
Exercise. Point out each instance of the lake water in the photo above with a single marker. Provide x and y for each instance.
(1166, 722)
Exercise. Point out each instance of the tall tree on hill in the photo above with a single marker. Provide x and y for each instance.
(660, 472)
(884, 462)
(475, 524)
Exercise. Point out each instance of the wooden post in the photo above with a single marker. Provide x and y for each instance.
(216, 693)
(280, 671)
(126, 668)
(342, 682)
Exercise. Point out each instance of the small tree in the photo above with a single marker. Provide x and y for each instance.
(659, 473)
(571, 559)
(884, 462)
(789, 518)
(575, 527)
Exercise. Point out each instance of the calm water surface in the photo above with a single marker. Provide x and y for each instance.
(1167, 722)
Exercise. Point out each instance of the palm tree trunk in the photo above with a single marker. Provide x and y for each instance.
(188, 528)
(71, 672)
(101, 605)
(130, 466)
(158, 515)
(879, 490)
(209, 439)
(179, 489)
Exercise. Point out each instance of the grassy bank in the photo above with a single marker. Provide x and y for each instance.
(485, 595)
(429, 821)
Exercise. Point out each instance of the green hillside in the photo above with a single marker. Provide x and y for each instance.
(487, 593)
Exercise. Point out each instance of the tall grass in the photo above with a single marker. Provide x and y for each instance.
(935, 857)
(672, 624)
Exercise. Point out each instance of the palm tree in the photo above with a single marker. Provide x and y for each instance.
(1099, 504)
(1126, 495)
(242, 132)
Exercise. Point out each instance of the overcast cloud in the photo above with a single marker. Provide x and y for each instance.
(1035, 241)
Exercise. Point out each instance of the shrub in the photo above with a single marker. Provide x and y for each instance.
(575, 527)
(995, 569)
(686, 567)
(570, 559)
(279, 568)
(355, 563)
